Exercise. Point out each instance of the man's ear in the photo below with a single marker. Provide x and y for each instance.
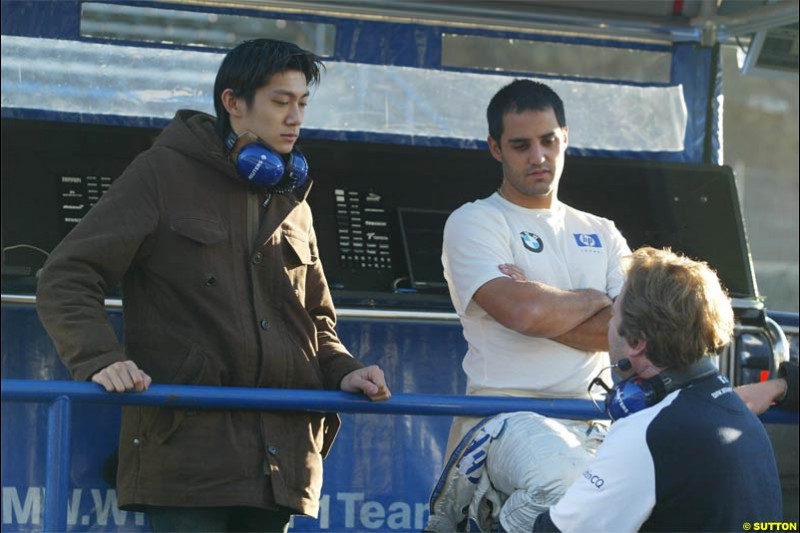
(233, 105)
(494, 148)
(638, 348)
(565, 129)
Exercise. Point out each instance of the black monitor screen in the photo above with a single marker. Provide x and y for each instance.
(422, 231)
(694, 209)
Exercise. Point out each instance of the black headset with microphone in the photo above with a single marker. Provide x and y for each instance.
(636, 393)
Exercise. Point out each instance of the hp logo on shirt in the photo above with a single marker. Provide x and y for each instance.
(587, 240)
(532, 242)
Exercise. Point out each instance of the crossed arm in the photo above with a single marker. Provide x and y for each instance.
(577, 318)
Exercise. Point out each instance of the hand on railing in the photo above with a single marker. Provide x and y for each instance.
(200, 397)
(760, 396)
(123, 376)
(369, 381)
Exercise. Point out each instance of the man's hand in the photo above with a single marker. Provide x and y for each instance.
(369, 381)
(123, 376)
(759, 396)
(539, 310)
(588, 336)
(513, 271)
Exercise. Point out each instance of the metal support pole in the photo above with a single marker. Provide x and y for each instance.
(59, 459)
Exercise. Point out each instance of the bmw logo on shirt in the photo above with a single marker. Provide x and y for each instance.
(532, 242)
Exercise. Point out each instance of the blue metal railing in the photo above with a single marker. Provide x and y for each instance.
(784, 318)
(61, 395)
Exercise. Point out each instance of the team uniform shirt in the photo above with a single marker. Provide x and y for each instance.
(697, 461)
(561, 247)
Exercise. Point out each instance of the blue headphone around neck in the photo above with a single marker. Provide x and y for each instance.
(262, 166)
(635, 393)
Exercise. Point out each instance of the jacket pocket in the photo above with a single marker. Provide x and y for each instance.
(199, 230)
(166, 420)
(192, 369)
(297, 251)
(297, 258)
(192, 251)
(330, 428)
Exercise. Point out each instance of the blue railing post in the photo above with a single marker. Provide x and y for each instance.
(59, 459)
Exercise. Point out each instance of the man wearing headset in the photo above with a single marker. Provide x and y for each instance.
(688, 454)
(210, 234)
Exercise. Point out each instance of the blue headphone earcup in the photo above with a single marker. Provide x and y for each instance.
(628, 397)
(259, 165)
(298, 169)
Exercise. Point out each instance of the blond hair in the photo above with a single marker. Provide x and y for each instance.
(675, 304)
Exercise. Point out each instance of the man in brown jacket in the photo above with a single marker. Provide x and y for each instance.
(222, 285)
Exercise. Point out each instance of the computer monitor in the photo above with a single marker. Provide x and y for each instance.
(422, 231)
(694, 209)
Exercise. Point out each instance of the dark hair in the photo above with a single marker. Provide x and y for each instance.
(519, 96)
(251, 65)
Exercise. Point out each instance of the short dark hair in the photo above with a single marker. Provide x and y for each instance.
(251, 65)
(519, 96)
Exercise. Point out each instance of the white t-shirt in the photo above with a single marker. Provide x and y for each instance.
(561, 247)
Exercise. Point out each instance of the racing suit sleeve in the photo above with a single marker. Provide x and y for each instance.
(544, 524)
(616, 492)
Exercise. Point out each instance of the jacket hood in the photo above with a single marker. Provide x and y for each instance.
(193, 133)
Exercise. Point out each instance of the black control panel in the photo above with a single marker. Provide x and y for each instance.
(52, 174)
(78, 195)
(362, 230)
(379, 209)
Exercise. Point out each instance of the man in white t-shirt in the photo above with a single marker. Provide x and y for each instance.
(532, 281)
